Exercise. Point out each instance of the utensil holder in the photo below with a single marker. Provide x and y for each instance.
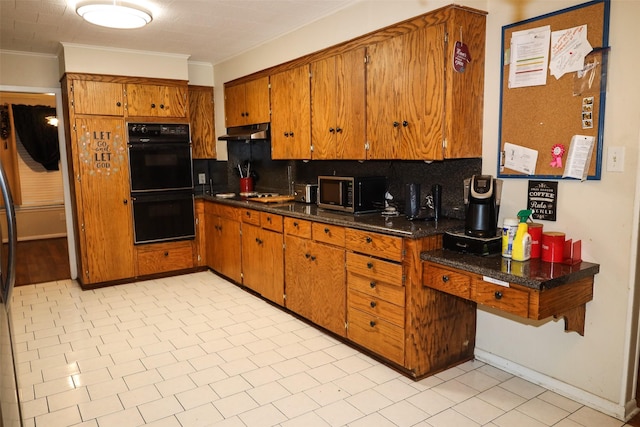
(246, 185)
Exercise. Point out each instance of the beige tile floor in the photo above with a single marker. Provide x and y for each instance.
(196, 350)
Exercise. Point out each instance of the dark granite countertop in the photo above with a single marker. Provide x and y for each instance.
(396, 226)
(535, 273)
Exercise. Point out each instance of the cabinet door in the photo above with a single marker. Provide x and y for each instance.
(234, 105)
(100, 159)
(145, 100)
(263, 262)
(258, 107)
(338, 106)
(223, 246)
(291, 114)
(405, 96)
(350, 97)
(329, 287)
(298, 277)
(201, 109)
(98, 98)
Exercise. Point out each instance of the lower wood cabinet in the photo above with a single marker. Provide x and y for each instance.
(263, 256)
(315, 274)
(364, 286)
(223, 241)
(163, 257)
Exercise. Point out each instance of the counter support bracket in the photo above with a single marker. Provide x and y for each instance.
(574, 319)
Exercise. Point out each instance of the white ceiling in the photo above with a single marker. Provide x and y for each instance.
(207, 30)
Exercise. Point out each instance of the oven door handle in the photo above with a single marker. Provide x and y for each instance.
(164, 146)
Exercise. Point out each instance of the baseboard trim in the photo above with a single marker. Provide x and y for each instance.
(595, 402)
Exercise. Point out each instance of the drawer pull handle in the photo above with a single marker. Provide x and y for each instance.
(326, 230)
(247, 213)
(498, 295)
(445, 279)
(368, 239)
(166, 254)
(373, 304)
(258, 241)
(372, 324)
(369, 265)
(372, 285)
(269, 219)
(295, 224)
(118, 104)
(307, 256)
(313, 258)
(153, 105)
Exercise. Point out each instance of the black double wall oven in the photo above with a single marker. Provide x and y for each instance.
(161, 174)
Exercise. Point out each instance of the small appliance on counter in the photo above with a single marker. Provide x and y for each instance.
(305, 193)
(482, 204)
(352, 194)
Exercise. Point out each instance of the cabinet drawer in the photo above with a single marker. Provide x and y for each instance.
(222, 211)
(250, 216)
(374, 268)
(165, 257)
(297, 227)
(271, 222)
(377, 335)
(376, 289)
(446, 280)
(326, 233)
(376, 307)
(375, 244)
(512, 300)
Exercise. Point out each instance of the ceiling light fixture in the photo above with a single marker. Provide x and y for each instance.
(113, 14)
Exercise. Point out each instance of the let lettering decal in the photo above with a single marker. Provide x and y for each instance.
(102, 151)
(541, 199)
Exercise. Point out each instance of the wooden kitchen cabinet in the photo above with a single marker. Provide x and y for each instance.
(201, 118)
(263, 255)
(418, 107)
(223, 241)
(247, 103)
(155, 100)
(162, 257)
(200, 248)
(291, 114)
(338, 106)
(97, 98)
(102, 195)
(315, 274)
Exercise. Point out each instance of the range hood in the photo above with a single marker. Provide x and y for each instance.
(257, 132)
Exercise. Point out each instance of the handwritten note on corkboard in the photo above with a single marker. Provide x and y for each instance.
(538, 120)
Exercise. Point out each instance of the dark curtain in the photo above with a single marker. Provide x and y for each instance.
(38, 137)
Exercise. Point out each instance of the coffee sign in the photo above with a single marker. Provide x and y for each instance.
(541, 199)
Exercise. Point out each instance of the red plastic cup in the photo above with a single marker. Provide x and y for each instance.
(535, 230)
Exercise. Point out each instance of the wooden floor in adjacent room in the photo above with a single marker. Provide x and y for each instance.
(40, 261)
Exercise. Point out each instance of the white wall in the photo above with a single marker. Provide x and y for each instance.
(593, 368)
(600, 213)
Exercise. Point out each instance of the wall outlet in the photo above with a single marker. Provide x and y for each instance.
(615, 159)
(202, 178)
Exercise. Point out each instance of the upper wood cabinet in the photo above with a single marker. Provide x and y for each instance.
(418, 106)
(338, 106)
(247, 103)
(201, 109)
(405, 96)
(97, 98)
(291, 114)
(150, 100)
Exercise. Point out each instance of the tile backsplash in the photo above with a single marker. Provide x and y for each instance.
(271, 175)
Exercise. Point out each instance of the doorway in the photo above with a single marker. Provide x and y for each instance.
(46, 248)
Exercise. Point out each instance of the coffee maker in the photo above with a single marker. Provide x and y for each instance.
(482, 204)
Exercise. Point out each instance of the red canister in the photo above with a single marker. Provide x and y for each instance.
(535, 230)
(552, 246)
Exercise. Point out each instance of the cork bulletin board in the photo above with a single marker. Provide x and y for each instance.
(548, 119)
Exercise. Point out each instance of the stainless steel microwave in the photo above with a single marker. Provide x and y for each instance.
(352, 194)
